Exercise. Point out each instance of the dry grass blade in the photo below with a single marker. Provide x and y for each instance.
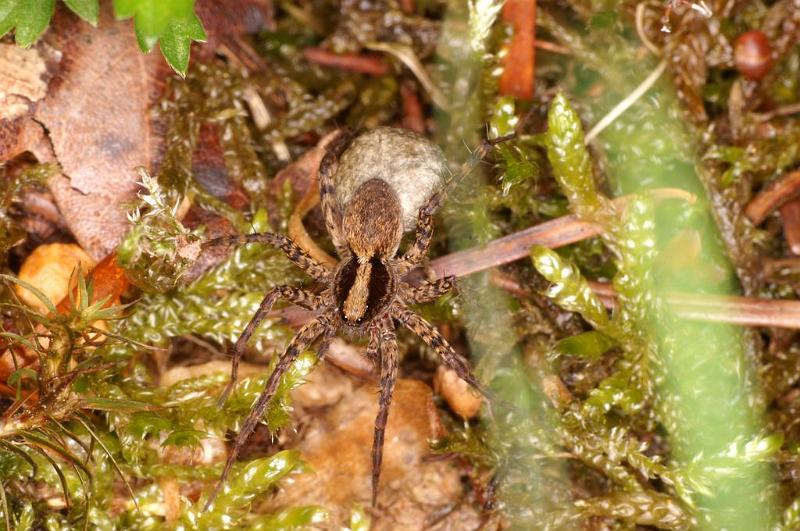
(111, 458)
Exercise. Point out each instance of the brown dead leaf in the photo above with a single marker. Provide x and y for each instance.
(302, 173)
(209, 170)
(83, 97)
(23, 80)
(226, 22)
(97, 114)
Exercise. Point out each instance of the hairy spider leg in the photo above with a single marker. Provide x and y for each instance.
(427, 291)
(327, 193)
(294, 295)
(325, 343)
(373, 352)
(431, 337)
(300, 342)
(389, 363)
(294, 252)
(422, 237)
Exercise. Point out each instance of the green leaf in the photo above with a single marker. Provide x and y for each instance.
(616, 391)
(39, 294)
(88, 10)
(791, 516)
(173, 23)
(21, 374)
(177, 41)
(145, 423)
(26, 518)
(125, 8)
(29, 19)
(590, 345)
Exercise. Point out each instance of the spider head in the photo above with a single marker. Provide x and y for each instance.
(365, 284)
(372, 221)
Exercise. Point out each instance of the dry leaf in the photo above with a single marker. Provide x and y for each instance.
(97, 114)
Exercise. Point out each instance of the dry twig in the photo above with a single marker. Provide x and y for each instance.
(773, 196)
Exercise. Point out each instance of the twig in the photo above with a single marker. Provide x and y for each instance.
(773, 196)
(258, 110)
(412, 108)
(731, 309)
(519, 62)
(786, 110)
(202, 343)
(556, 233)
(352, 62)
(551, 47)
(777, 266)
(790, 216)
(747, 311)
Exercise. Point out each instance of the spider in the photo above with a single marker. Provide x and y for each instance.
(366, 292)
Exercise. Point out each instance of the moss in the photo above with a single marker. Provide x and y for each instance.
(616, 417)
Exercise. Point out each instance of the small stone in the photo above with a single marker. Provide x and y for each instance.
(462, 399)
(50, 268)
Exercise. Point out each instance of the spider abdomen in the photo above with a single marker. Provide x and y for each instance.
(412, 165)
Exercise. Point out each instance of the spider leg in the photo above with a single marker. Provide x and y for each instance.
(428, 333)
(325, 343)
(294, 252)
(305, 337)
(427, 291)
(423, 235)
(327, 191)
(298, 296)
(373, 353)
(389, 362)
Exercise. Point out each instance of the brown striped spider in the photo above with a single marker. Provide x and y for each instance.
(366, 293)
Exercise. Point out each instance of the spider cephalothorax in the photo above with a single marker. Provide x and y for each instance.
(381, 175)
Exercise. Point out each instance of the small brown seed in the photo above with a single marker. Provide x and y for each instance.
(752, 54)
(49, 268)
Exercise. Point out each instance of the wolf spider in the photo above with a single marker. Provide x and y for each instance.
(364, 294)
